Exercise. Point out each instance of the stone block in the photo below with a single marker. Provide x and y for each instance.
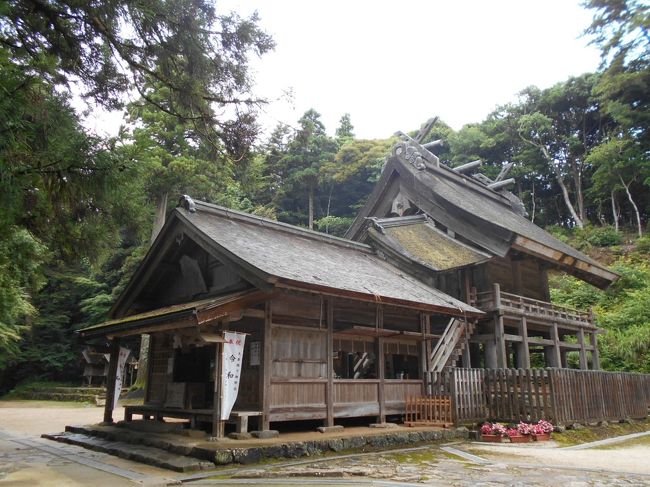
(383, 425)
(240, 436)
(263, 435)
(330, 429)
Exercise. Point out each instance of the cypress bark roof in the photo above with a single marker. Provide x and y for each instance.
(290, 256)
(484, 216)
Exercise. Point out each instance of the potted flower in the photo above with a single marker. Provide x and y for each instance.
(493, 432)
(519, 433)
(542, 430)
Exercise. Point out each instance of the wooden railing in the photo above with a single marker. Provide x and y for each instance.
(520, 305)
(560, 395)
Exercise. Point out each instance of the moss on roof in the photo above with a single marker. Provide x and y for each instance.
(433, 248)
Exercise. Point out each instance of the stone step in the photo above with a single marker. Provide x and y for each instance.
(137, 453)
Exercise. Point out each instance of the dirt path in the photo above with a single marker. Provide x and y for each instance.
(31, 418)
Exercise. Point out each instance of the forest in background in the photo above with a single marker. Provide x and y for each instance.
(79, 211)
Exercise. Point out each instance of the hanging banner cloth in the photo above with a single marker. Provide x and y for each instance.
(119, 377)
(231, 360)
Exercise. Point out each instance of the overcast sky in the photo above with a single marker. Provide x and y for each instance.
(393, 65)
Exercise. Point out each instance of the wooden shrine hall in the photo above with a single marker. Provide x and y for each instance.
(332, 329)
(440, 268)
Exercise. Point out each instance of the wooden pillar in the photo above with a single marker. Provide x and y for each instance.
(523, 349)
(381, 365)
(583, 350)
(217, 394)
(490, 354)
(595, 357)
(266, 370)
(552, 353)
(499, 334)
(110, 380)
(467, 358)
(329, 347)
(425, 328)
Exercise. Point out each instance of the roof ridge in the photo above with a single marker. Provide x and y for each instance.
(281, 226)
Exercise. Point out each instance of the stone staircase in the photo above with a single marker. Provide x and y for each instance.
(93, 395)
(151, 446)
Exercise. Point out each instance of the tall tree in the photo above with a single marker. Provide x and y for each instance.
(300, 167)
(184, 45)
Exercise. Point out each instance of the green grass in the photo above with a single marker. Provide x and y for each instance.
(595, 433)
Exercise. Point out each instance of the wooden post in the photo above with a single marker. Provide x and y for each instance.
(595, 356)
(381, 366)
(553, 357)
(217, 397)
(329, 347)
(583, 350)
(267, 364)
(110, 380)
(499, 334)
(523, 355)
(424, 356)
(490, 355)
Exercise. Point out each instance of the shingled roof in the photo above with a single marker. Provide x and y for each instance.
(484, 216)
(286, 255)
(272, 255)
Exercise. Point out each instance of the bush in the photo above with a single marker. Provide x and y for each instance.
(602, 236)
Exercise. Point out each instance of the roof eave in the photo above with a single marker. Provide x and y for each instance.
(447, 310)
(587, 271)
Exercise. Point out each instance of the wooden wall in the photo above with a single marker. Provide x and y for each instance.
(160, 353)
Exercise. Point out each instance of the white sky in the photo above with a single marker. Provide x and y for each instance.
(393, 65)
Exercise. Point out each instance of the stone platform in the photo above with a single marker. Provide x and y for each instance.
(167, 445)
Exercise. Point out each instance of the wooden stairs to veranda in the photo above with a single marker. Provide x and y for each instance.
(450, 345)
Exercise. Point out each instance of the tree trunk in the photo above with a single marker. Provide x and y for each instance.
(311, 207)
(558, 177)
(636, 209)
(143, 359)
(567, 200)
(614, 212)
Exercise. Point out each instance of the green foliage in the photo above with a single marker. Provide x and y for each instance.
(21, 256)
(334, 225)
(623, 310)
(201, 57)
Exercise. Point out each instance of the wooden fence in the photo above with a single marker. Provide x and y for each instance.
(561, 395)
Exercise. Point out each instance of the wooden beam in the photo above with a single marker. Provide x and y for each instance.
(110, 380)
(583, 350)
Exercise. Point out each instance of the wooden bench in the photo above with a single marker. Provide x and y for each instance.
(239, 418)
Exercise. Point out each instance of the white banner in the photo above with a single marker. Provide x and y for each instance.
(231, 360)
(119, 377)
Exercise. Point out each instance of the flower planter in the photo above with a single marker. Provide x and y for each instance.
(520, 439)
(542, 437)
(491, 438)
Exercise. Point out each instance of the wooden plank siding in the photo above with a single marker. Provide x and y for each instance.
(561, 395)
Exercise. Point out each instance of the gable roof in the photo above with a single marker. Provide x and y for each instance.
(482, 215)
(271, 254)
